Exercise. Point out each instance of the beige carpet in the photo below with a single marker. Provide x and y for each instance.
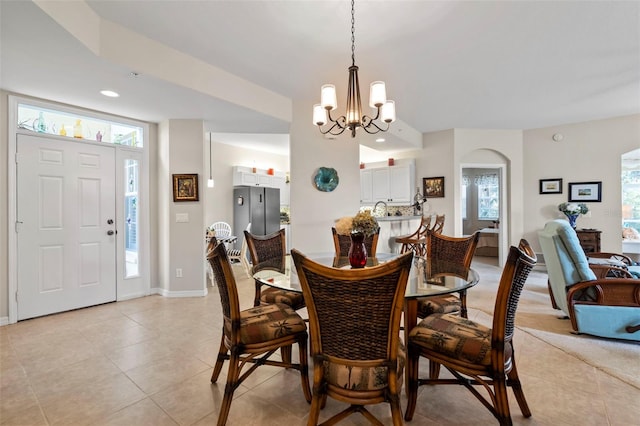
(536, 317)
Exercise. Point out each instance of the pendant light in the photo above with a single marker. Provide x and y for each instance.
(210, 182)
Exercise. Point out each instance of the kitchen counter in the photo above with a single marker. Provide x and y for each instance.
(396, 218)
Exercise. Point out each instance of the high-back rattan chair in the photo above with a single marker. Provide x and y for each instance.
(416, 241)
(342, 243)
(251, 336)
(354, 323)
(270, 251)
(473, 353)
(457, 250)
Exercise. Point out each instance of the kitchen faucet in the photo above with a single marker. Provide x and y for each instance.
(375, 207)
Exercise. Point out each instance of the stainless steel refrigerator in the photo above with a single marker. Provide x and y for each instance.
(256, 205)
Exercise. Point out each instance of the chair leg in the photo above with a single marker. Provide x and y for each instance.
(285, 353)
(463, 304)
(396, 411)
(434, 370)
(304, 369)
(229, 389)
(222, 355)
(502, 402)
(314, 411)
(412, 383)
(256, 298)
(514, 382)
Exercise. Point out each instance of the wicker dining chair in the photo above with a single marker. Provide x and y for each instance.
(342, 243)
(354, 323)
(473, 353)
(269, 252)
(458, 250)
(251, 336)
(416, 241)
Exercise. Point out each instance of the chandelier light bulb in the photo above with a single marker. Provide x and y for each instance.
(377, 94)
(210, 183)
(328, 98)
(319, 115)
(388, 112)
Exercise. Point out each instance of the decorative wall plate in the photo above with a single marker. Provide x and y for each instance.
(326, 179)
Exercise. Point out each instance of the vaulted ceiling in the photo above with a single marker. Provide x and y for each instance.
(239, 65)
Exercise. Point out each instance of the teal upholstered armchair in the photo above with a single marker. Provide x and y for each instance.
(608, 306)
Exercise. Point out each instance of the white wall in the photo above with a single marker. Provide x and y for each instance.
(589, 152)
(181, 244)
(313, 212)
(4, 196)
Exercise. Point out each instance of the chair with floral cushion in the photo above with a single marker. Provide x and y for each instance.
(251, 336)
(457, 250)
(269, 252)
(473, 353)
(354, 323)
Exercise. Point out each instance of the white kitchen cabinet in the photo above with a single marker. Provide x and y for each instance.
(394, 185)
(401, 184)
(242, 178)
(366, 194)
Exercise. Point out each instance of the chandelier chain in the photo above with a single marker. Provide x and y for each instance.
(353, 33)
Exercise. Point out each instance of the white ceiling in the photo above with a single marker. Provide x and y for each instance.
(447, 64)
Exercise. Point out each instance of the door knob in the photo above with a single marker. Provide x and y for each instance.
(110, 221)
(110, 232)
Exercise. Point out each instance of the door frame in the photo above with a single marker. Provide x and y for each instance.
(144, 284)
(503, 228)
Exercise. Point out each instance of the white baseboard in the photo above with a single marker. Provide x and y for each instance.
(189, 293)
(4, 321)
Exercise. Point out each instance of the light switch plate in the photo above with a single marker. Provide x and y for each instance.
(182, 217)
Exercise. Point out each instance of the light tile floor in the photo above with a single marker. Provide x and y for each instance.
(148, 361)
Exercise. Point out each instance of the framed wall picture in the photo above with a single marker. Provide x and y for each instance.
(551, 186)
(185, 187)
(433, 187)
(585, 191)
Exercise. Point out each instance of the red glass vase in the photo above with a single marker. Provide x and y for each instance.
(357, 251)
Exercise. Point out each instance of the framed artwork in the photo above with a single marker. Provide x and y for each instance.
(185, 187)
(433, 187)
(551, 186)
(585, 191)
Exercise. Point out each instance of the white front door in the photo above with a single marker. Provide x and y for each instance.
(66, 225)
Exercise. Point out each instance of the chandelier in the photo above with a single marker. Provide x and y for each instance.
(385, 109)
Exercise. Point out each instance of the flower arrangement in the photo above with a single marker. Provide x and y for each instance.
(362, 222)
(574, 209)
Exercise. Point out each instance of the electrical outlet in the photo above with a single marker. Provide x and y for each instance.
(178, 272)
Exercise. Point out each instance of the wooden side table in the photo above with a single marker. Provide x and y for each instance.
(589, 239)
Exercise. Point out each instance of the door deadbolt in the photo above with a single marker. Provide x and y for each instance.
(110, 221)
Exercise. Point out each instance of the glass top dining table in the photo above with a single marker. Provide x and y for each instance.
(427, 278)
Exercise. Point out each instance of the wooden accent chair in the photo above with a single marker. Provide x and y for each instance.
(473, 353)
(416, 241)
(600, 299)
(457, 250)
(343, 242)
(269, 252)
(438, 225)
(354, 323)
(251, 336)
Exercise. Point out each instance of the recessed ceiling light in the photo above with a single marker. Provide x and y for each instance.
(109, 93)
(380, 140)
